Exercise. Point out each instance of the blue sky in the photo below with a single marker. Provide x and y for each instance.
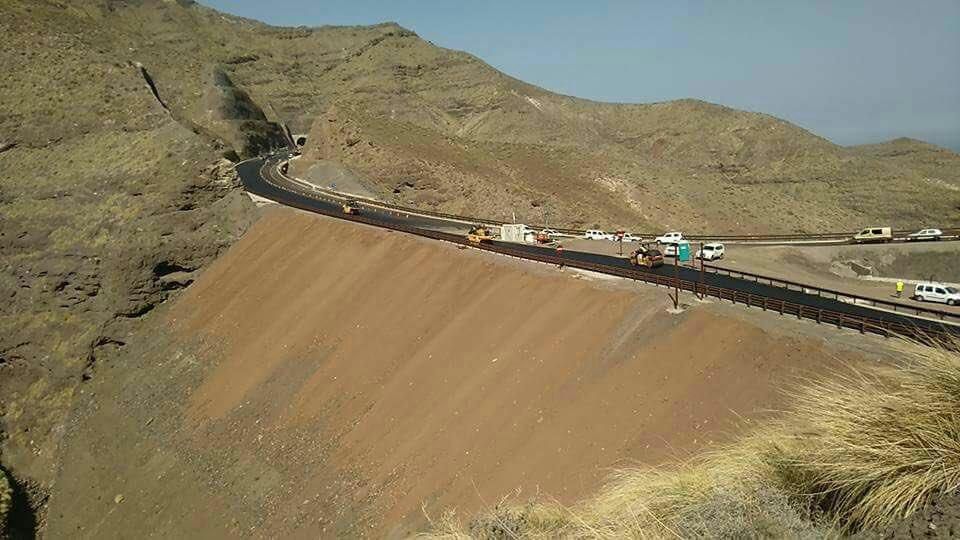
(853, 71)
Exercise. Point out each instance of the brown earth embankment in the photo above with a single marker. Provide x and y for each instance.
(324, 378)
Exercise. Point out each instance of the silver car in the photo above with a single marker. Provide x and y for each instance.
(925, 234)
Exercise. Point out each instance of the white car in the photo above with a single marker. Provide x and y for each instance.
(926, 234)
(670, 249)
(711, 252)
(670, 238)
(937, 292)
(632, 238)
(594, 234)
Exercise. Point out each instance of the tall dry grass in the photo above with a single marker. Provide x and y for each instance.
(855, 450)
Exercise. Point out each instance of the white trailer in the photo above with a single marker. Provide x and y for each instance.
(513, 232)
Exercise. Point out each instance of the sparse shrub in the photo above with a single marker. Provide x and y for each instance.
(6, 501)
(862, 449)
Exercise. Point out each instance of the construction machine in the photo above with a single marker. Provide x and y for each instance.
(350, 207)
(479, 234)
(646, 256)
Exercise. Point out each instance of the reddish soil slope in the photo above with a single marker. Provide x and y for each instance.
(324, 378)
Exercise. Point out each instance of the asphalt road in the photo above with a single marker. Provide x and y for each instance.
(259, 176)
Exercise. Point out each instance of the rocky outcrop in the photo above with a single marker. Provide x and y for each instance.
(230, 113)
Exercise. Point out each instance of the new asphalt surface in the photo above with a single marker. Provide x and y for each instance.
(260, 177)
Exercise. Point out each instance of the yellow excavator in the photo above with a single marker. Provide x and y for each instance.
(479, 234)
(350, 207)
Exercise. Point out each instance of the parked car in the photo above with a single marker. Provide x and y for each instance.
(594, 234)
(670, 237)
(874, 234)
(670, 249)
(925, 234)
(632, 238)
(711, 252)
(937, 292)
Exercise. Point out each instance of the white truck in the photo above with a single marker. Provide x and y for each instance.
(670, 238)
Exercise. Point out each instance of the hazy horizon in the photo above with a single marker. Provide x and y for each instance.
(855, 73)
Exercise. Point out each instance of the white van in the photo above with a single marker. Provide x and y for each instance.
(937, 292)
(874, 234)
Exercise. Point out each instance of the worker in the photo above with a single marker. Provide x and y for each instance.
(899, 288)
(560, 254)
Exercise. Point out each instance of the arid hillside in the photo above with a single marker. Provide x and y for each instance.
(695, 167)
(324, 378)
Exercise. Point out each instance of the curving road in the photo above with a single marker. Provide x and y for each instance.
(260, 176)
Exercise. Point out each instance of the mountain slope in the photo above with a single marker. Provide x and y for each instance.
(675, 164)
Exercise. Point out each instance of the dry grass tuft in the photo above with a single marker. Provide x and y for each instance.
(858, 450)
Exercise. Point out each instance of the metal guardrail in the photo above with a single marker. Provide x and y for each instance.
(896, 307)
(821, 316)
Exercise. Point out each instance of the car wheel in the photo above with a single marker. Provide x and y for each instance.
(919, 298)
(951, 302)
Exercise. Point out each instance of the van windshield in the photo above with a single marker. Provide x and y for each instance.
(952, 290)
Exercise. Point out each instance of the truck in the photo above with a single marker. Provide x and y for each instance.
(670, 238)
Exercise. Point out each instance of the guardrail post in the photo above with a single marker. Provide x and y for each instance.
(863, 325)
(781, 307)
(800, 312)
(819, 315)
(764, 303)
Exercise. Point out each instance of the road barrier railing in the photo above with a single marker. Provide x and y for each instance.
(888, 305)
(942, 335)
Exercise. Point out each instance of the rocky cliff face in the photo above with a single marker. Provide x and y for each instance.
(228, 111)
(110, 201)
